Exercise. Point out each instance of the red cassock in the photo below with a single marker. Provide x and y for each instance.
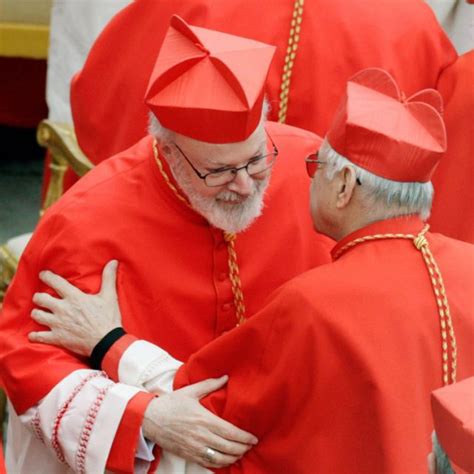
(173, 282)
(319, 46)
(454, 190)
(334, 375)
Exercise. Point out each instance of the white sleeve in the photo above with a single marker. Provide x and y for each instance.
(149, 367)
(79, 418)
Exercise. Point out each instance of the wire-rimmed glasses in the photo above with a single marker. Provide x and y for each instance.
(222, 176)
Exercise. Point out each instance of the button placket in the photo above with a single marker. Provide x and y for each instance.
(225, 313)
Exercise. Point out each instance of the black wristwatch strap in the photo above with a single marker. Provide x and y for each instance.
(102, 347)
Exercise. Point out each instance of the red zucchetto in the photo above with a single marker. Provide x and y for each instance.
(453, 416)
(376, 128)
(208, 85)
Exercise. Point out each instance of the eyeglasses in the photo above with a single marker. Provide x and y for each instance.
(221, 176)
(312, 165)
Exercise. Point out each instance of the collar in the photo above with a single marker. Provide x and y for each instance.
(397, 225)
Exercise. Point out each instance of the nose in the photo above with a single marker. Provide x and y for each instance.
(242, 184)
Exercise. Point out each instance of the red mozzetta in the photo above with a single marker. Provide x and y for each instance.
(335, 374)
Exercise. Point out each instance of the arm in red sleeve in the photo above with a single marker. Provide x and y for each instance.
(266, 359)
(51, 389)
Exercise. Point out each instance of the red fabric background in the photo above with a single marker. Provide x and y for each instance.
(453, 209)
(338, 39)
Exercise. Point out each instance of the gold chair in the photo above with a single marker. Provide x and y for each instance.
(65, 152)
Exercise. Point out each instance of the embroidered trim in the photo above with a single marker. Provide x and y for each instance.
(36, 426)
(62, 411)
(150, 369)
(87, 429)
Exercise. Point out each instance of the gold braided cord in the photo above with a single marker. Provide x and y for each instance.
(234, 273)
(437, 283)
(368, 238)
(166, 177)
(234, 276)
(444, 311)
(293, 40)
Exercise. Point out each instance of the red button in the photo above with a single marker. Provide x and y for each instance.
(222, 276)
(226, 306)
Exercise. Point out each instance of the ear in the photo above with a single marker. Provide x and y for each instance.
(346, 186)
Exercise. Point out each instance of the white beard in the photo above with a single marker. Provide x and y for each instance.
(228, 217)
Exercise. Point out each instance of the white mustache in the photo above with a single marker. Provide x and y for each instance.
(231, 196)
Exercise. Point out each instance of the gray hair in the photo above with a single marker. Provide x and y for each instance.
(394, 198)
(157, 130)
(164, 135)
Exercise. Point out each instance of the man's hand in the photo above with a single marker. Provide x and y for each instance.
(177, 421)
(180, 424)
(78, 321)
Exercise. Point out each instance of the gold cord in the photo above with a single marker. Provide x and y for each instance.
(293, 40)
(166, 177)
(234, 276)
(229, 238)
(421, 243)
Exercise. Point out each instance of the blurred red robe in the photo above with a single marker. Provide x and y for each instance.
(319, 46)
(453, 206)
